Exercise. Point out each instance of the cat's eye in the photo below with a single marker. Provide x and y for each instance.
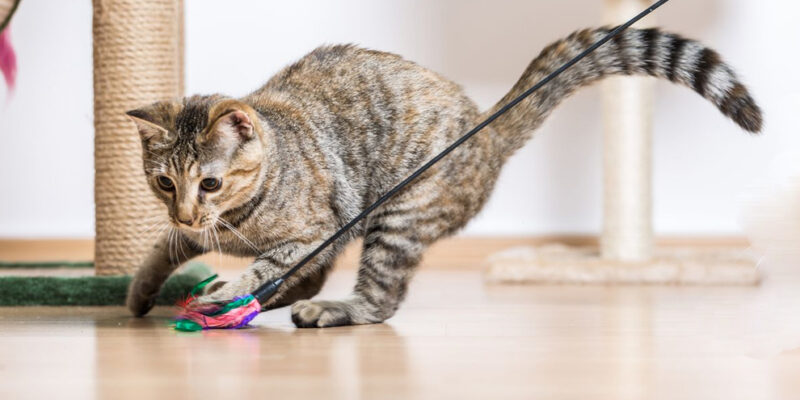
(210, 184)
(165, 183)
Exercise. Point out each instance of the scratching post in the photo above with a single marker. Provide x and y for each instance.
(137, 60)
(627, 107)
(626, 253)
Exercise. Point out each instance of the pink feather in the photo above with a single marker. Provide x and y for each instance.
(8, 60)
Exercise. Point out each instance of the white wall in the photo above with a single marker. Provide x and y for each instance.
(702, 162)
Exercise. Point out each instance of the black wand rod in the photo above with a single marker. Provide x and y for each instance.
(266, 291)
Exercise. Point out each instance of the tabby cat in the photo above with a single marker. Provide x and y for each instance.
(273, 174)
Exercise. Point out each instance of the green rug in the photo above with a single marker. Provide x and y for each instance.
(87, 290)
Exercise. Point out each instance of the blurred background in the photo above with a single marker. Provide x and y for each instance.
(703, 165)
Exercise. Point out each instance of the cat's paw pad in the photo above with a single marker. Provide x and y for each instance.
(320, 314)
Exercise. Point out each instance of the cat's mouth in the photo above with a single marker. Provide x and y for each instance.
(199, 225)
(193, 229)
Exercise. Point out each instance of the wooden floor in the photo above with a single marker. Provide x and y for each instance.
(455, 337)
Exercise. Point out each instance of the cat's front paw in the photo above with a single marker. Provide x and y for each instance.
(139, 304)
(324, 314)
(319, 314)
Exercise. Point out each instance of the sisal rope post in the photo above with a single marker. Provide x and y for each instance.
(137, 60)
(181, 47)
(627, 123)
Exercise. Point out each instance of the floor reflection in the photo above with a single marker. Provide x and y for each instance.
(347, 361)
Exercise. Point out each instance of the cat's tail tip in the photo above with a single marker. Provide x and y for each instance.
(743, 110)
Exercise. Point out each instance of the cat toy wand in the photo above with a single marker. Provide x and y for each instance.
(239, 311)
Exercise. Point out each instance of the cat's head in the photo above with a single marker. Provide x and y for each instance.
(202, 156)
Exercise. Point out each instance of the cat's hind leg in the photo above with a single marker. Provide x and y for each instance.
(387, 264)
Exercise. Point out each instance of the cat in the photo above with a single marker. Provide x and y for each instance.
(273, 174)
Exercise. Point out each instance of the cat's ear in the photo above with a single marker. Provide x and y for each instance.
(232, 121)
(148, 130)
(233, 124)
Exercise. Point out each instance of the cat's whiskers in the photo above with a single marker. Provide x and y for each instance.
(147, 232)
(155, 228)
(175, 233)
(157, 224)
(219, 247)
(169, 245)
(175, 246)
(157, 233)
(148, 227)
(161, 230)
(238, 234)
(179, 239)
(204, 235)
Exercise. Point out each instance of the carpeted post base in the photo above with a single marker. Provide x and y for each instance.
(583, 265)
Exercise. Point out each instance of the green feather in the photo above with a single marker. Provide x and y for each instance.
(187, 326)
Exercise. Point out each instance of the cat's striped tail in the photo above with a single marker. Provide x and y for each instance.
(635, 51)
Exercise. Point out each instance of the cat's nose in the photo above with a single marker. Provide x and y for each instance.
(188, 222)
(184, 214)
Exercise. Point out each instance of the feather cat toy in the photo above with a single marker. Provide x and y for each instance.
(8, 59)
(239, 311)
(235, 314)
